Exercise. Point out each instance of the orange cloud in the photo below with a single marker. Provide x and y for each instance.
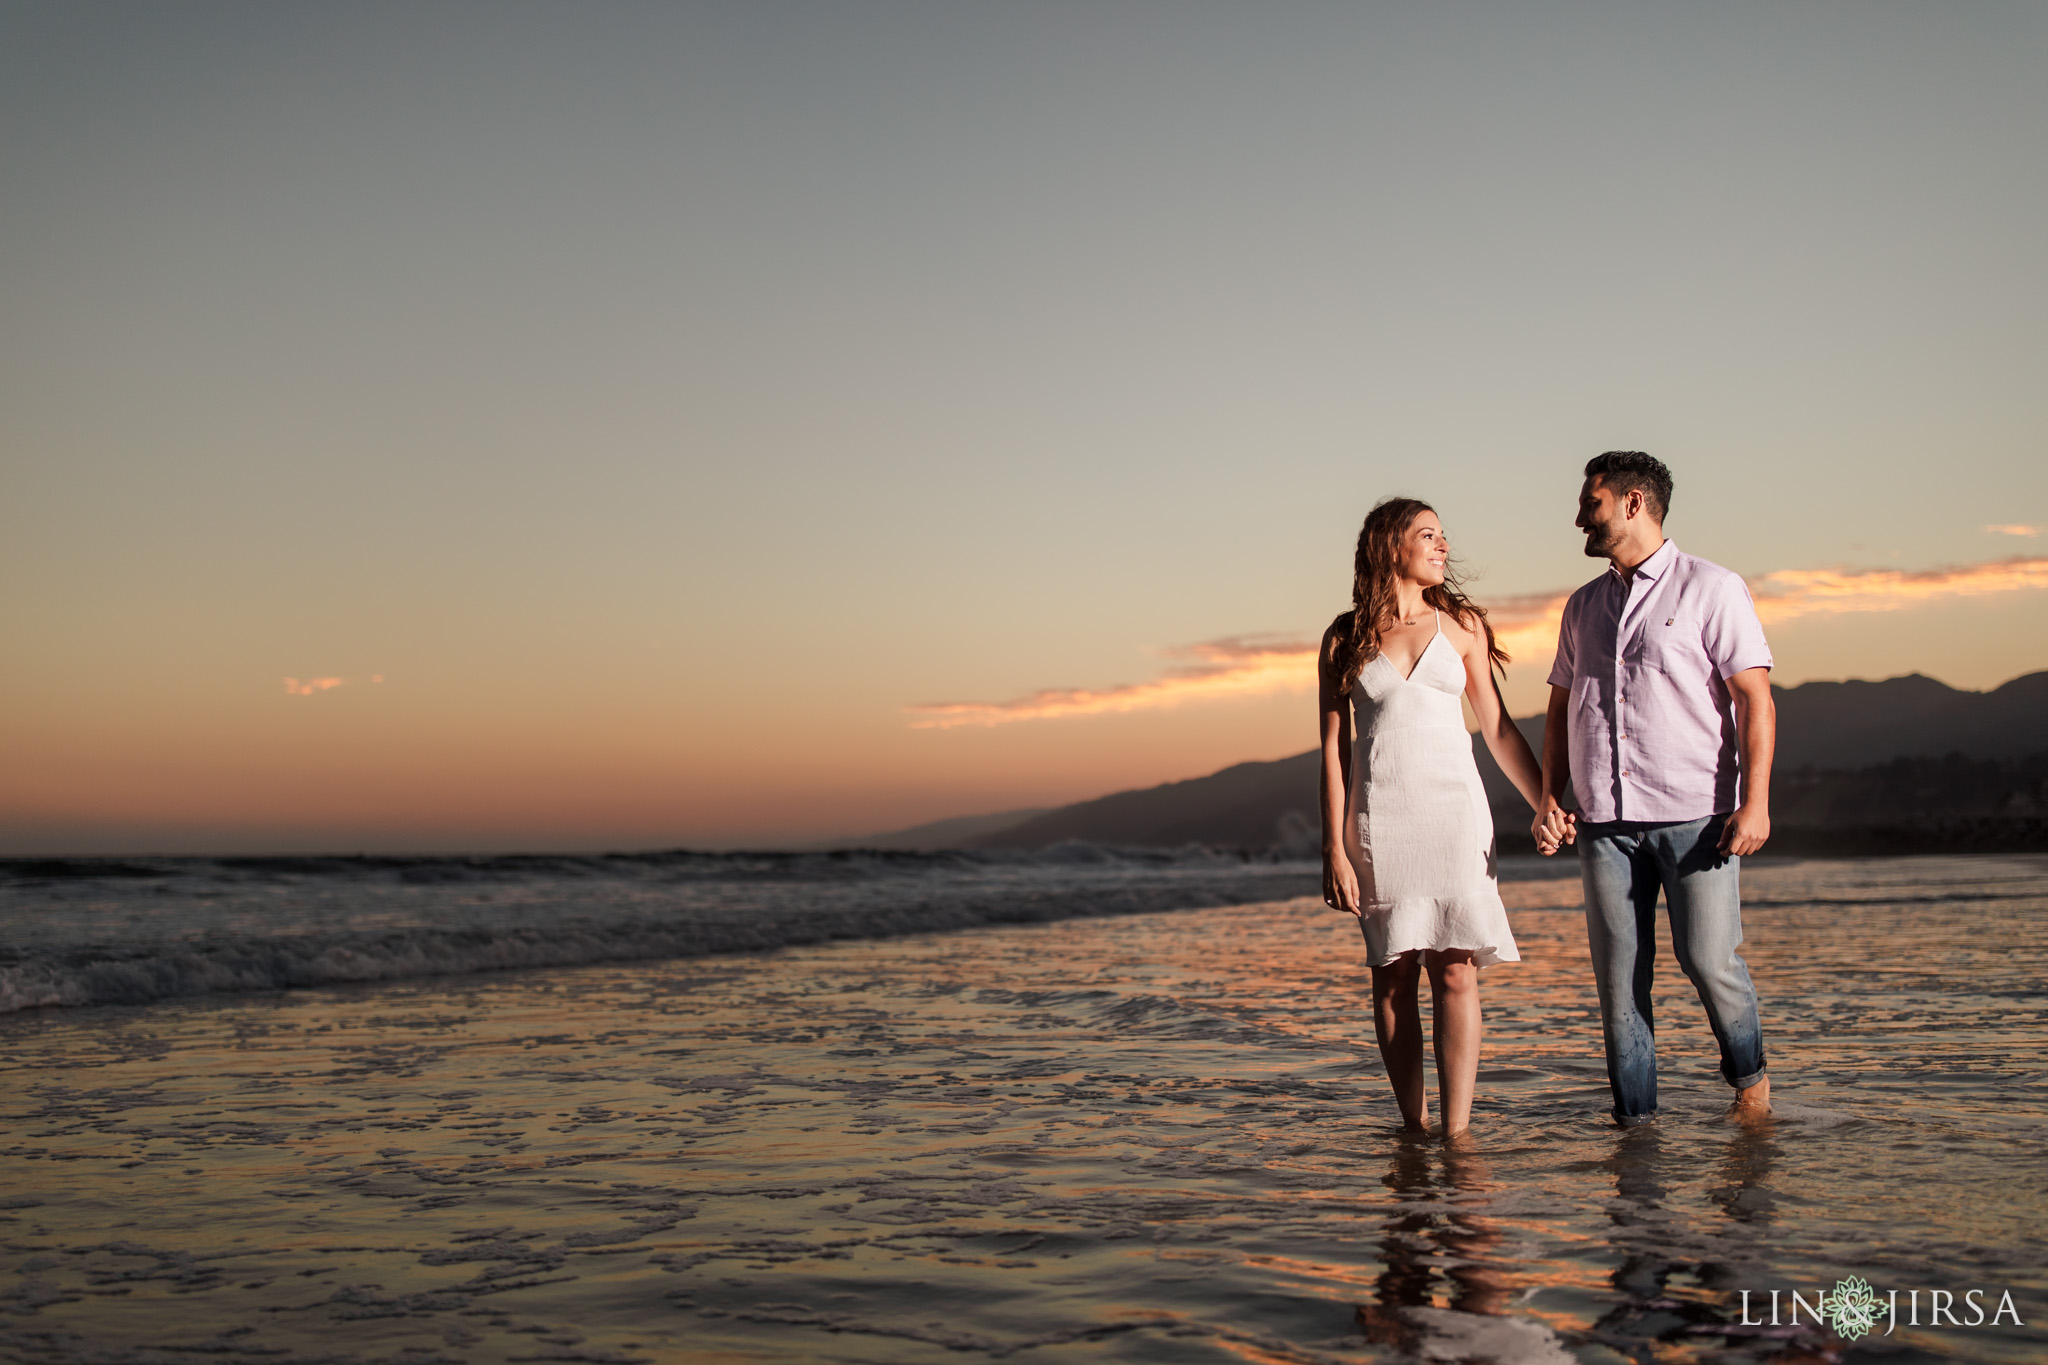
(1235, 667)
(1789, 593)
(1242, 665)
(2014, 529)
(293, 687)
(1525, 625)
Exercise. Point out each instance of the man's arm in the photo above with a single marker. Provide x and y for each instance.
(1557, 766)
(1756, 729)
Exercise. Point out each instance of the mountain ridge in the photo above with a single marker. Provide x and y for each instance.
(1861, 766)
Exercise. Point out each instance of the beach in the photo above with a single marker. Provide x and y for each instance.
(1154, 1136)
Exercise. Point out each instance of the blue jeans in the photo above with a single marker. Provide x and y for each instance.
(1624, 864)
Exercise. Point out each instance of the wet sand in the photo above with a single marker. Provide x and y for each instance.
(1163, 1137)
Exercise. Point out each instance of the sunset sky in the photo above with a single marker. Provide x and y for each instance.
(451, 427)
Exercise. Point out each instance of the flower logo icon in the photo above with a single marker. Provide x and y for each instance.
(1852, 1307)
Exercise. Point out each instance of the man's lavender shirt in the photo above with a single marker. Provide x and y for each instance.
(1652, 725)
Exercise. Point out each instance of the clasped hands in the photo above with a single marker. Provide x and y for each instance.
(1553, 828)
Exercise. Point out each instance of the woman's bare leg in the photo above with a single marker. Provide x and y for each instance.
(1397, 1019)
(1454, 985)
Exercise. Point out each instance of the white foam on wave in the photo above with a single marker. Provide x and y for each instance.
(192, 927)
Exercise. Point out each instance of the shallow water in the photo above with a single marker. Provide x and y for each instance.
(1159, 1137)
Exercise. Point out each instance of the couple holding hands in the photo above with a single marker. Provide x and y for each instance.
(1661, 722)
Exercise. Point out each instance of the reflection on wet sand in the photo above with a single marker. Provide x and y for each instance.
(1443, 1294)
(1162, 1137)
(1744, 1193)
(1676, 1279)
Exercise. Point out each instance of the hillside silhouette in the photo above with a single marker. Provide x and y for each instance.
(1904, 765)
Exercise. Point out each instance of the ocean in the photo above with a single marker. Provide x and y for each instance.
(126, 931)
(1081, 1105)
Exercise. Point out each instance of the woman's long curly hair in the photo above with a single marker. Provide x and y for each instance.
(1372, 590)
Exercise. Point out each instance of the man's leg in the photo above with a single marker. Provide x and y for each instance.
(1703, 888)
(1621, 884)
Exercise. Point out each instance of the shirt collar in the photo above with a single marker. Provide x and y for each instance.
(1651, 569)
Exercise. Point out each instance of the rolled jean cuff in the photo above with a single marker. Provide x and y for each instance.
(1746, 1082)
(1634, 1120)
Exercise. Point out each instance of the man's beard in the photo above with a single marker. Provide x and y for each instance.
(1600, 541)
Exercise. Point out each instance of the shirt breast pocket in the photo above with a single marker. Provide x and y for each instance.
(1672, 644)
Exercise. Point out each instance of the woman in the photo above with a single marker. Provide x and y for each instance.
(1407, 834)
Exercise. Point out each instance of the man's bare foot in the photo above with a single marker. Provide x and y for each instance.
(1752, 1102)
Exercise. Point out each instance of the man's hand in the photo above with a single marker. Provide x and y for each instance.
(1340, 883)
(1563, 828)
(1756, 728)
(1746, 830)
(1553, 827)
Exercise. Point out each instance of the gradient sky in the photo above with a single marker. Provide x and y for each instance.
(665, 402)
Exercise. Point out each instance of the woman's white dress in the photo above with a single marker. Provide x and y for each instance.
(1418, 827)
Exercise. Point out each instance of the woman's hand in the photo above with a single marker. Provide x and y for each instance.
(1553, 828)
(1340, 883)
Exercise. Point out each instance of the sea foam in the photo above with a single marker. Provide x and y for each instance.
(131, 931)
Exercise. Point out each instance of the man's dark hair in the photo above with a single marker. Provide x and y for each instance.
(1626, 470)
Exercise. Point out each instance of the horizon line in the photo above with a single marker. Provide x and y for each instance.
(850, 843)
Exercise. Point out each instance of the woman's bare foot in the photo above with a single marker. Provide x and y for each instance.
(1752, 1102)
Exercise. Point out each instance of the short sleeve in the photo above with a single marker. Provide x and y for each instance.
(1731, 633)
(1564, 665)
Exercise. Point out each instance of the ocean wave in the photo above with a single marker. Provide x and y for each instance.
(184, 927)
(667, 865)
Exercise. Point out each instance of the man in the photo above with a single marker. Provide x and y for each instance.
(1661, 720)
